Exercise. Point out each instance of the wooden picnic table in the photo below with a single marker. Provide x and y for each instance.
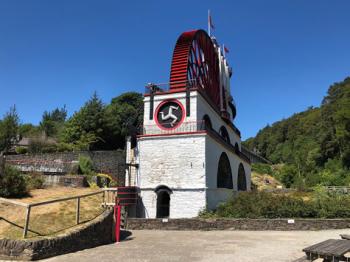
(330, 250)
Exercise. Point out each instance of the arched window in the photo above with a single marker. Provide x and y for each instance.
(242, 182)
(207, 122)
(224, 134)
(163, 201)
(237, 148)
(224, 176)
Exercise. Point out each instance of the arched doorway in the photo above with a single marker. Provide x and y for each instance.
(163, 201)
(242, 182)
(224, 176)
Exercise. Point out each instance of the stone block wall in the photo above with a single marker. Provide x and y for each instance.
(108, 162)
(94, 233)
(237, 224)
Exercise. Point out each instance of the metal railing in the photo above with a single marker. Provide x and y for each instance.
(164, 87)
(186, 127)
(31, 205)
(338, 189)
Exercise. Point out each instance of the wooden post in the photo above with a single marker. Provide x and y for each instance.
(26, 225)
(104, 199)
(78, 211)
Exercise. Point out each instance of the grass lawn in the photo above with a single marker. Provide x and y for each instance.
(48, 219)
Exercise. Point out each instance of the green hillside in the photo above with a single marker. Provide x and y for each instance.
(314, 145)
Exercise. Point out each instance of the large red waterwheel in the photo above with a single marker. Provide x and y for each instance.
(195, 63)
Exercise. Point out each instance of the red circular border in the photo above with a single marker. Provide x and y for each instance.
(157, 111)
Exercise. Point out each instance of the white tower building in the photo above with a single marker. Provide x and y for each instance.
(189, 151)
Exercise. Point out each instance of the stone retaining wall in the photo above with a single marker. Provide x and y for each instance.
(237, 224)
(54, 164)
(94, 233)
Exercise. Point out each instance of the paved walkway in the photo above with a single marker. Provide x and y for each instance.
(215, 246)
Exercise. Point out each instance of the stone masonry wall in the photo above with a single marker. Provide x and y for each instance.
(108, 162)
(236, 224)
(94, 233)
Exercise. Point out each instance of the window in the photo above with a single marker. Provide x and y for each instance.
(224, 175)
(237, 151)
(207, 122)
(224, 134)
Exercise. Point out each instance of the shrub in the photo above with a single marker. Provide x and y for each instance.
(86, 168)
(271, 205)
(12, 183)
(86, 165)
(74, 168)
(21, 150)
(106, 180)
(65, 147)
(35, 181)
(262, 168)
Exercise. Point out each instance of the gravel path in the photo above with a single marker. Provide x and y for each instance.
(144, 245)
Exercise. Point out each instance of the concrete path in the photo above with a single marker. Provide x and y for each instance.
(215, 246)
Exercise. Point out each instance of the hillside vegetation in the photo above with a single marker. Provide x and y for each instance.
(314, 145)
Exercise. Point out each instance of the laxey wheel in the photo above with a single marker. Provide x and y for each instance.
(195, 63)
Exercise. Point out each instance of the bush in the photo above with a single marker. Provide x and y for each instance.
(271, 205)
(86, 165)
(21, 150)
(13, 183)
(262, 168)
(86, 168)
(35, 181)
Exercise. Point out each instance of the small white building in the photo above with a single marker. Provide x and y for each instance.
(189, 152)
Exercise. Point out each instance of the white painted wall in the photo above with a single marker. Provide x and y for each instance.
(174, 161)
(160, 98)
(183, 203)
(187, 164)
(213, 152)
(204, 109)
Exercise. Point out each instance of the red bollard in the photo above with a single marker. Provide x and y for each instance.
(117, 226)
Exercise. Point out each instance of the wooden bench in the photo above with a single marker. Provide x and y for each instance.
(329, 250)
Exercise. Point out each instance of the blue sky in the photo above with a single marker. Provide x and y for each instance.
(284, 53)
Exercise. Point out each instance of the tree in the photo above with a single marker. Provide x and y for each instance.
(310, 139)
(88, 127)
(8, 134)
(53, 121)
(125, 117)
(9, 129)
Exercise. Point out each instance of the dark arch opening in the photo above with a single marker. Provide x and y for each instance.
(224, 176)
(163, 201)
(207, 122)
(237, 148)
(242, 182)
(224, 134)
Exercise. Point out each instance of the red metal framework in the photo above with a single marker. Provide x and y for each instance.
(126, 196)
(195, 62)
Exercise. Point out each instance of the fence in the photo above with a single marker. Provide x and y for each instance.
(31, 205)
(338, 189)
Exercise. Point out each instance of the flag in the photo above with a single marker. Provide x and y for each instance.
(226, 50)
(210, 21)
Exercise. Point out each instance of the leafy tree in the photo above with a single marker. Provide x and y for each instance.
(9, 129)
(125, 116)
(28, 130)
(52, 122)
(88, 127)
(310, 139)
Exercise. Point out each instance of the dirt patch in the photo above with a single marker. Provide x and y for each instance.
(48, 219)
